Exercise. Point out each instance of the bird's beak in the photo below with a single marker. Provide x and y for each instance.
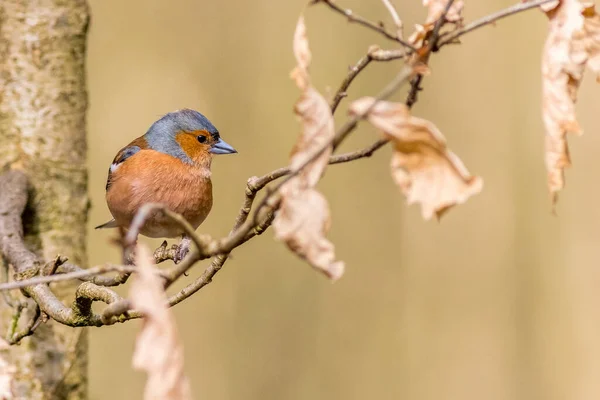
(221, 147)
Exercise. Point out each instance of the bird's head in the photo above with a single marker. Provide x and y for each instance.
(187, 135)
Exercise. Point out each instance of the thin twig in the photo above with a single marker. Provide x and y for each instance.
(415, 88)
(490, 19)
(215, 266)
(118, 310)
(353, 72)
(435, 35)
(354, 155)
(121, 311)
(50, 268)
(378, 54)
(341, 134)
(9, 299)
(432, 45)
(83, 273)
(253, 186)
(352, 17)
(373, 54)
(116, 280)
(395, 16)
(405, 74)
(210, 247)
(28, 330)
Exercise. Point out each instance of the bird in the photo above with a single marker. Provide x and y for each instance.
(170, 164)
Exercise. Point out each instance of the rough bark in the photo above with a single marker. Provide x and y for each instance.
(42, 131)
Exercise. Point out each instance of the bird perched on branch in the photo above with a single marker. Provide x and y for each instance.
(169, 164)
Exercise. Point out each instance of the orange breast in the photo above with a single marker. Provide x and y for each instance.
(153, 177)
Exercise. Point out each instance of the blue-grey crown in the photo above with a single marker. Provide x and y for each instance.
(161, 135)
(183, 120)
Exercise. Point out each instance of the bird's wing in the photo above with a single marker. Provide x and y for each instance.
(126, 152)
(121, 156)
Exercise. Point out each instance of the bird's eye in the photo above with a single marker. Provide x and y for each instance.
(202, 139)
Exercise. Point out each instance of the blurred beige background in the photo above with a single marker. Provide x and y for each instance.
(498, 301)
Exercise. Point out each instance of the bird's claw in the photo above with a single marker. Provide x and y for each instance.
(180, 253)
(182, 250)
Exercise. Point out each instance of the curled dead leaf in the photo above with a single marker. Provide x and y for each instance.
(573, 43)
(303, 218)
(592, 37)
(422, 166)
(302, 222)
(302, 54)
(158, 350)
(435, 8)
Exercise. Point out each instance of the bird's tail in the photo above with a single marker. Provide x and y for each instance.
(110, 224)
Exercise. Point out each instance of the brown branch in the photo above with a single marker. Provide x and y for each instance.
(26, 264)
(435, 35)
(34, 279)
(352, 17)
(15, 337)
(490, 19)
(124, 272)
(432, 45)
(205, 244)
(415, 88)
(255, 184)
(163, 253)
(340, 135)
(353, 72)
(85, 295)
(51, 267)
(373, 54)
(243, 231)
(355, 155)
(405, 73)
(215, 266)
(120, 312)
(203, 280)
(378, 54)
(75, 273)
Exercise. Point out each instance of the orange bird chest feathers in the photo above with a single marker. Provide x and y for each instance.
(151, 176)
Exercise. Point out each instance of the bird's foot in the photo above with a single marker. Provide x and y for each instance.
(182, 250)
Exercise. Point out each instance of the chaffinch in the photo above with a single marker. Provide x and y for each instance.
(169, 164)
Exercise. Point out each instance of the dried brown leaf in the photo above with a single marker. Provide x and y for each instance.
(302, 222)
(592, 37)
(158, 350)
(435, 8)
(302, 54)
(304, 218)
(573, 42)
(422, 166)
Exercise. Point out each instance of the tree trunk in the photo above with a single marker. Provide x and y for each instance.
(42, 131)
